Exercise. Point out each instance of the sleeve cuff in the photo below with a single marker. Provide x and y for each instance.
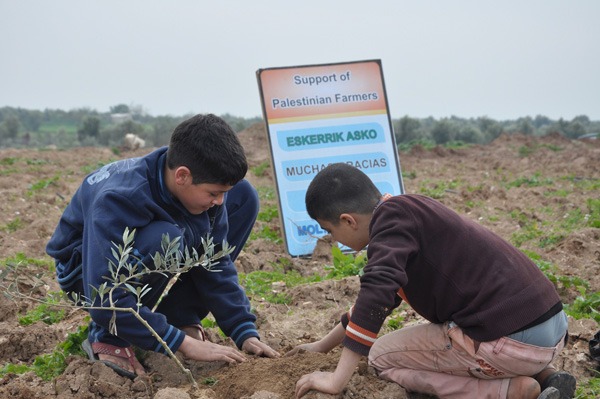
(243, 332)
(345, 319)
(173, 338)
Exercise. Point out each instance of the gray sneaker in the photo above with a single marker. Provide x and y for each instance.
(564, 382)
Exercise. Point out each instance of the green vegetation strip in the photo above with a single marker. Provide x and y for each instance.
(53, 364)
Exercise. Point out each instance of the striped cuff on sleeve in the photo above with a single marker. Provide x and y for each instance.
(173, 338)
(243, 332)
(357, 339)
(360, 335)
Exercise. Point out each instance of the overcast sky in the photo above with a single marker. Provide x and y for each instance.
(501, 59)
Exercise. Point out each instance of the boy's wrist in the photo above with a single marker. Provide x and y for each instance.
(242, 332)
(186, 346)
(345, 367)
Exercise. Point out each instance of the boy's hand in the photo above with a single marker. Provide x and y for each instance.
(331, 383)
(256, 347)
(208, 352)
(310, 347)
(325, 344)
(319, 381)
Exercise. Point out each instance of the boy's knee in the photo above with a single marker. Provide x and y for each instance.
(148, 239)
(374, 355)
(243, 197)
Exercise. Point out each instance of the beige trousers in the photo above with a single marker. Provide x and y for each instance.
(440, 360)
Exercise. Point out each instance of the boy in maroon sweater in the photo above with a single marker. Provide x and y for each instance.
(496, 322)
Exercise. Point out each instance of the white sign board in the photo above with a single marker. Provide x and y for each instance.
(317, 115)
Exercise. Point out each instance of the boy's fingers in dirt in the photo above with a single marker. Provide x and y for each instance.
(304, 385)
(298, 349)
(301, 389)
(318, 381)
(211, 352)
(292, 352)
(266, 352)
(270, 352)
(259, 348)
(233, 357)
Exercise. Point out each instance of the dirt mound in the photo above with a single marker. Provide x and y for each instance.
(256, 143)
(518, 186)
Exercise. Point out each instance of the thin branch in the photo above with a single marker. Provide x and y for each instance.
(127, 273)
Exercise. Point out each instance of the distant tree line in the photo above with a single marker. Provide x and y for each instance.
(484, 130)
(87, 127)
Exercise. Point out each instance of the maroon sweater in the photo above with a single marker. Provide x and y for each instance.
(449, 269)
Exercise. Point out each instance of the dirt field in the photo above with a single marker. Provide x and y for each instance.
(555, 174)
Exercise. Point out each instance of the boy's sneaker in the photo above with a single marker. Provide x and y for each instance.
(564, 382)
(550, 393)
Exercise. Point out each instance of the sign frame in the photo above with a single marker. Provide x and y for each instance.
(311, 111)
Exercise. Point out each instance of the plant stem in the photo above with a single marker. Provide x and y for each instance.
(186, 371)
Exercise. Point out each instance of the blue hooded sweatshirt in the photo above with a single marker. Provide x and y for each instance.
(132, 193)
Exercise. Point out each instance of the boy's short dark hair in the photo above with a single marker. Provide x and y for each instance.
(208, 146)
(340, 188)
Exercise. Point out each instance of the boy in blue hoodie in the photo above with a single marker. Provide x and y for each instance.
(193, 188)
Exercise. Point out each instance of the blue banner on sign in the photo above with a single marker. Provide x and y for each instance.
(332, 136)
(306, 169)
(295, 198)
